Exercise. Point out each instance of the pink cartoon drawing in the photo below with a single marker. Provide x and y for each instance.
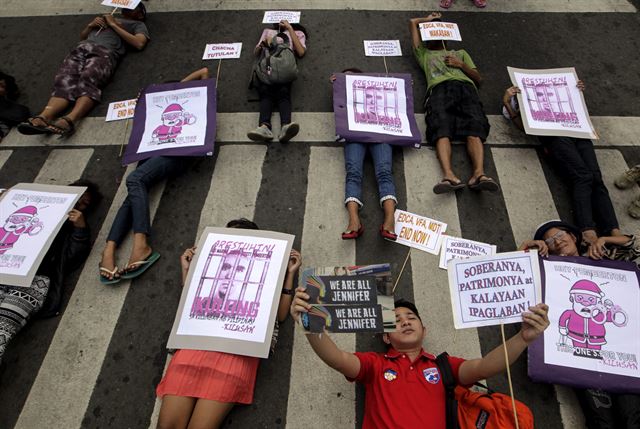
(584, 323)
(22, 221)
(174, 117)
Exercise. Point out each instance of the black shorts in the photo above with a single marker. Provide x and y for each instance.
(454, 110)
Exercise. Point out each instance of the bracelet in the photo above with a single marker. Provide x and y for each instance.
(288, 292)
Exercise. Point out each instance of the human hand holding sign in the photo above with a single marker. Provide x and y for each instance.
(510, 92)
(534, 322)
(300, 303)
(98, 22)
(185, 261)
(453, 61)
(295, 260)
(110, 20)
(77, 218)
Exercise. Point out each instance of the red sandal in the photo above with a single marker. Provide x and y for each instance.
(446, 4)
(480, 3)
(387, 235)
(352, 235)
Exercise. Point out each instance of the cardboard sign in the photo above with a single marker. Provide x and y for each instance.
(349, 299)
(230, 299)
(125, 4)
(222, 51)
(375, 108)
(382, 48)
(493, 290)
(419, 232)
(454, 247)
(551, 103)
(439, 31)
(173, 119)
(32, 215)
(119, 110)
(275, 16)
(593, 340)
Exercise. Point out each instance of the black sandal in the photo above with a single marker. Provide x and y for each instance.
(64, 132)
(488, 184)
(28, 128)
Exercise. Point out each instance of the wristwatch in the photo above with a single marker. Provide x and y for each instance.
(288, 291)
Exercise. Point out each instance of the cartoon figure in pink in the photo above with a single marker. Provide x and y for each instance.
(22, 221)
(174, 118)
(584, 323)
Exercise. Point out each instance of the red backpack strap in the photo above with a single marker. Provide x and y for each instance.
(449, 382)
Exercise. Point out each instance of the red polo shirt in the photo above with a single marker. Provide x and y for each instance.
(401, 394)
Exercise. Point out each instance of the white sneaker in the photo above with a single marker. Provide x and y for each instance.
(289, 131)
(260, 134)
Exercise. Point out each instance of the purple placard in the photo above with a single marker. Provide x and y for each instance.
(575, 376)
(173, 119)
(375, 106)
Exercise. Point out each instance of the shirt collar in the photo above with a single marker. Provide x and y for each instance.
(394, 354)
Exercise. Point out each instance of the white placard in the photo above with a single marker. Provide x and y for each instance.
(461, 248)
(490, 290)
(231, 295)
(597, 302)
(551, 103)
(418, 231)
(440, 31)
(125, 4)
(222, 51)
(119, 110)
(275, 16)
(382, 48)
(175, 119)
(31, 216)
(377, 105)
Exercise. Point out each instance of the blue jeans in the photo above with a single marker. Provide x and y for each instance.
(134, 211)
(382, 156)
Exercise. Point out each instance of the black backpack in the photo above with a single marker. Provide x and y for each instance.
(277, 62)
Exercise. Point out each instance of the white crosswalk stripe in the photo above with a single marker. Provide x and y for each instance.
(313, 382)
(64, 166)
(4, 156)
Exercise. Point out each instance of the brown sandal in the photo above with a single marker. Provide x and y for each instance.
(63, 132)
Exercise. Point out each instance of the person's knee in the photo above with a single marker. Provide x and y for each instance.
(134, 180)
(384, 172)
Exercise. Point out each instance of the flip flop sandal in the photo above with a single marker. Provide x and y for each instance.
(30, 129)
(447, 185)
(64, 132)
(446, 4)
(104, 279)
(137, 268)
(488, 184)
(480, 3)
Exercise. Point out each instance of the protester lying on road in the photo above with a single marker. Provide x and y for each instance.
(201, 387)
(87, 69)
(453, 108)
(399, 392)
(11, 113)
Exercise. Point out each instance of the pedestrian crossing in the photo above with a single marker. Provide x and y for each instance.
(82, 352)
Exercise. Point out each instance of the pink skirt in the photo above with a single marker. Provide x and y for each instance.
(216, 376)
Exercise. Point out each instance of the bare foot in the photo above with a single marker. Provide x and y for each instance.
(108, 262)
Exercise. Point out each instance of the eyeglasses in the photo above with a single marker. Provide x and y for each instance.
(586, 299)
(551, 241)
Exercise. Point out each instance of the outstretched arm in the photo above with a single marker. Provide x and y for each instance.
(413, 27)
(297, 45)
(344, 362)
(533, 324)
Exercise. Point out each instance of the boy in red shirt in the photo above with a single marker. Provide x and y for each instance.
(404, 387)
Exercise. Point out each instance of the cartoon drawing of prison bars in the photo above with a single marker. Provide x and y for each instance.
(235, 256)
(541, 104)
(366, 98)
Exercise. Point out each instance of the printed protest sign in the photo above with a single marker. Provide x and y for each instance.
(32, 215)
(349, 299)
(418, 231)
(490, 290)
(455, 247)
(593, 340)
(174, 119)
(439, 31)
(119, 110)
(551, 103)
(382, 48)
(230, 299)
(274, 16)
(125, 4)
(375, 108)
(222, 51)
